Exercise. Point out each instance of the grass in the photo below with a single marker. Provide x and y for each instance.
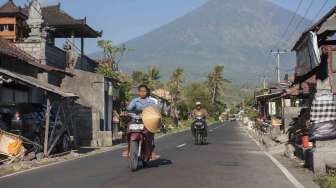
(328, 181)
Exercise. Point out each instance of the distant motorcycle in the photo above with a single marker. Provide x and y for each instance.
(199, 130)
(136, 136)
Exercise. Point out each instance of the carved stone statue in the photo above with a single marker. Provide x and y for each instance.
(71, 55)
(35, 21)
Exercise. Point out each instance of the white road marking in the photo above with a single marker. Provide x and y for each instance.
(182, 145)
(283, 169)
(117, 147)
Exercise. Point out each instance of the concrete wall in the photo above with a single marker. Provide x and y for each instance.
(86, 64)
(89, 110)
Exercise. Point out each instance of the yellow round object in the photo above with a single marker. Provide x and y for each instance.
(151, 118)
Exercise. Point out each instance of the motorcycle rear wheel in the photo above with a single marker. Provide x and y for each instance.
(133, 158)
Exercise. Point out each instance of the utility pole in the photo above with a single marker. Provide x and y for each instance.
(278, 53)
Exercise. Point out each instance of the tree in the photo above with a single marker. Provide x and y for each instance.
(175, 89)
(111, 54)
(176, 81)
(216, 83)
(139, 77)
(153, 75)
(108, 66)
(150, 78)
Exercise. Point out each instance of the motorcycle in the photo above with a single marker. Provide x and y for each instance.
(139, 151)
(199, 130)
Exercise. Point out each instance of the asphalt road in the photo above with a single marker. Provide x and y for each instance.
(231, 159)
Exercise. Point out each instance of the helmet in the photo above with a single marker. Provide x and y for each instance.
(198, 103)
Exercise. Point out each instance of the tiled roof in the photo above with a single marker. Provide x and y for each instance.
(55, 17)
(9, 7)
(64, 24)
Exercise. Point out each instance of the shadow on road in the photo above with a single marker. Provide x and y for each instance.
(85, 150)
(159, 162)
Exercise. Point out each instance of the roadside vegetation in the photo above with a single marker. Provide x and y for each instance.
(328, 181)
(211, 91)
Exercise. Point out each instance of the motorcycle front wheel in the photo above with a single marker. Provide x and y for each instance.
(133, 158)
(198, 138)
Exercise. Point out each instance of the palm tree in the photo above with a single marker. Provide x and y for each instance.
(111, 54)
(154, 73)
(216, 82)
(175, 87)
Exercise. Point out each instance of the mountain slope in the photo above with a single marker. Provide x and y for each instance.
(236, 33)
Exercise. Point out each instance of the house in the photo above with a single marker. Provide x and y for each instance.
(315, 51)
(19, 83)
(34, 30)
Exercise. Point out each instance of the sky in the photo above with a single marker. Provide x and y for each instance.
(123, 20)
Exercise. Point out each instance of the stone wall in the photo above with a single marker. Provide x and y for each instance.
(289, 114)
(32, 48)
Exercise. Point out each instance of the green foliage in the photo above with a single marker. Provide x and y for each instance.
(183, 110)
(150, 78)
(125, 88)
(216, 83)
(328, 181)
(138, 77)
(107, 72)
(111, 54)
(252, 114)
(175, 82)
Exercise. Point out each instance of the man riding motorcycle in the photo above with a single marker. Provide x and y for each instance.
(138, 105)
(199, 110)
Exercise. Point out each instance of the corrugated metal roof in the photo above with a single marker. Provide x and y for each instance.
(269, 96)
(315, 28)
(36, 83)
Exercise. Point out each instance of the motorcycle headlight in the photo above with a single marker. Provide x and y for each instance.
(198, 123)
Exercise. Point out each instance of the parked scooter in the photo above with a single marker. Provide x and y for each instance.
(199, 130)
(139, 151)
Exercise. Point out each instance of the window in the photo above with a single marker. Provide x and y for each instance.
(10, 27)
(2, 28)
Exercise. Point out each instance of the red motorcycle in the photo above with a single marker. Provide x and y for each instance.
(140, 144)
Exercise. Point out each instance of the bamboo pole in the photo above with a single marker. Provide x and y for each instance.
(46, 131)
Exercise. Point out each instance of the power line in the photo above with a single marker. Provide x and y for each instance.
(300, 22)
(319, 11)
(290, 23)
(286, 30)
